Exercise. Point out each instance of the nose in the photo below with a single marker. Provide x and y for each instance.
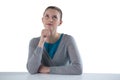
(50, 19)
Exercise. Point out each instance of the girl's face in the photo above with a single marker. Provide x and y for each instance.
(51, 19)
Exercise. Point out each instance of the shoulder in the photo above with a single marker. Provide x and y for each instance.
(68, 37)
(34, 40)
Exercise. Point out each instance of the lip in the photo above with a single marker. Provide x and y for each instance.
(49, 24)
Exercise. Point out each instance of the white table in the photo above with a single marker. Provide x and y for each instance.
(84, 76)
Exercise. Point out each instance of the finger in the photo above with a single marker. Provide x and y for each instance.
(47, 32)
(44, 33)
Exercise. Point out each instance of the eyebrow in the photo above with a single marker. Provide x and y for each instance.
(48, 14)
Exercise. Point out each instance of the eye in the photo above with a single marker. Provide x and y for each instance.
(46, 16)
(55, 17)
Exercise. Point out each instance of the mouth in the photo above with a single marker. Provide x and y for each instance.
(49, 24)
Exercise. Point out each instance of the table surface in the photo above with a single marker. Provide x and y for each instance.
(84, 76)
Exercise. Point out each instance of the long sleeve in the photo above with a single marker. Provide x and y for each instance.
(75, 65)
(34, 57)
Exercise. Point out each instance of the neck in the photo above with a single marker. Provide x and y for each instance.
(53, 38)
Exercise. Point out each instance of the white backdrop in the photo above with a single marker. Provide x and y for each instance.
(93, 23)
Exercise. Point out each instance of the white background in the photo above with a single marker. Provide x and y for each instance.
(93, 23)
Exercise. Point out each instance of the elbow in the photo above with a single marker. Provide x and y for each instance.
(31, 70)
(78, 70)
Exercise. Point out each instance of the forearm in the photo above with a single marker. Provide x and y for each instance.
(75, 69)
(34, 61)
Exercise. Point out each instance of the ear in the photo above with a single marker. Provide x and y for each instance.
(60, 22)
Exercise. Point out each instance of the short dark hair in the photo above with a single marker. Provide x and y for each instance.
(55, 8)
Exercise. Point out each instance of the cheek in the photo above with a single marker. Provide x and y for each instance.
(43, 21)
(57, 23)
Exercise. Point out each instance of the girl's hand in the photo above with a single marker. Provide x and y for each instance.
(44, 69)
(44, 36)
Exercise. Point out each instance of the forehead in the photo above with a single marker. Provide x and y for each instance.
(51, 11)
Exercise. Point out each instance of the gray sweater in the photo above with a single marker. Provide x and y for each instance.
(66, 60)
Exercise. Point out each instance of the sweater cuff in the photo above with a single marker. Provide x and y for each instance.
(38, 51)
